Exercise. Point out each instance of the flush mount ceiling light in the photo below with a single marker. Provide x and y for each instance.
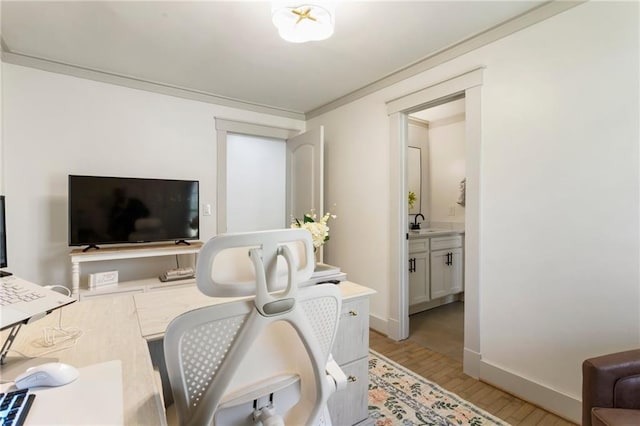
(299, 23)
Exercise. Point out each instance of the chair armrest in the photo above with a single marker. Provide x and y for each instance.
(599, 377)
(337, 376)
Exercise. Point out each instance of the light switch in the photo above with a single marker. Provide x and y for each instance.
(206, 209)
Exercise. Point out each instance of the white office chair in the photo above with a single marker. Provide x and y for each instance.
(256, 360)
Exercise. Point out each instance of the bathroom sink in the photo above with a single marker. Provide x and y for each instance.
(430, 230)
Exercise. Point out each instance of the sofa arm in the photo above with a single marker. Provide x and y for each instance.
(610, 381)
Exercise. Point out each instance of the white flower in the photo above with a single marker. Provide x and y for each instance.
(319, 230)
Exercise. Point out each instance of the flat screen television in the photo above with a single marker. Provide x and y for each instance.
(117, 210)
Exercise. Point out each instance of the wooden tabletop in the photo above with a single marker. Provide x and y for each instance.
(109, 332)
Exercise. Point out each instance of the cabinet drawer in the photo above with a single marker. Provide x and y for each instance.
(441, 243)
(352, 339)
(421, 244)
(350, 405)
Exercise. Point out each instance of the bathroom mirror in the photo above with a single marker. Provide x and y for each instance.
(414, 183)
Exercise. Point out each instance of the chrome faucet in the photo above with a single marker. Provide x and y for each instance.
(415, 224)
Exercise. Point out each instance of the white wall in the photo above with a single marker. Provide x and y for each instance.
(446, 169)
(55, 125)
(559, 195)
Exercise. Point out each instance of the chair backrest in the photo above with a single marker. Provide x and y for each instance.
(220, 355)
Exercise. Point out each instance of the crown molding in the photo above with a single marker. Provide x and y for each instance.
(418, 122)
(136, 83)
(527, 19)
(448, 120)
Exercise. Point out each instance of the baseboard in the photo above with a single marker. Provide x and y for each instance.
(471, 363)
(550, 399)
(378, 324)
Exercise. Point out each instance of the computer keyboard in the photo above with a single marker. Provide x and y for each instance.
(12, 292)
(14, 407)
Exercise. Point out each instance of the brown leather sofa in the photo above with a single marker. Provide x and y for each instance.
(611, 389)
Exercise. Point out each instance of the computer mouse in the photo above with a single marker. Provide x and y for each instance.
(48, 374)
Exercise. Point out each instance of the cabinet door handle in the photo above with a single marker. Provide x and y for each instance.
(353, 313)
(412, 265)
(352, 379)
(449, 258)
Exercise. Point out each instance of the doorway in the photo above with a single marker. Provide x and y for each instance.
(436, 137)
(469, 85)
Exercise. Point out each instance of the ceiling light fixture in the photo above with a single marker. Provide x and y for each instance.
(299, 23)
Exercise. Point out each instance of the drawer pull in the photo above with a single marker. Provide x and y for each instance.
(352, 379)
(353, 313)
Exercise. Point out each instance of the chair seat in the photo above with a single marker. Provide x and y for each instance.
(615, 416)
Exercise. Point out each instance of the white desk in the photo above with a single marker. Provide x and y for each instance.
(118, 328)
(110, 332)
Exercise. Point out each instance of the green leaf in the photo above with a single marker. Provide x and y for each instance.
(308, 219)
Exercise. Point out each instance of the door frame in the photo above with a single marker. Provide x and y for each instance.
(468, 84)
(223, 127)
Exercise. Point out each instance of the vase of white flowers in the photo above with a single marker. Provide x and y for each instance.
(318, 228)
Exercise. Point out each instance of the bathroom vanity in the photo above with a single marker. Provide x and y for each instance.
(436, 268)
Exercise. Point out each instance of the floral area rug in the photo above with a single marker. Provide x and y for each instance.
(398, 396)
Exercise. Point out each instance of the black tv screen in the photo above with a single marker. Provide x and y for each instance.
(113, 210)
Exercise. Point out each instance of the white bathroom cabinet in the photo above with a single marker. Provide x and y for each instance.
(446, 272)
(435, 271)
(419, 271)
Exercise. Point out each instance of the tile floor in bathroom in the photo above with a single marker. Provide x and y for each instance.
(440, 329)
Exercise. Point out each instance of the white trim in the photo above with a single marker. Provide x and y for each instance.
(378, 324)
(544, 11)
(140, 84)
(552, 400)
(442, 89)
(468, 84)
(223, 127)
(446, 121)
(221, 179)
(419, 122)
(398, 254)
(233, 126)
(473, 230)
(471, 362)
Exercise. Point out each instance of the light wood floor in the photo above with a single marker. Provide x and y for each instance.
(447, 372)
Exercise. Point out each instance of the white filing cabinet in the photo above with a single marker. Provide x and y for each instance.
(351, 352)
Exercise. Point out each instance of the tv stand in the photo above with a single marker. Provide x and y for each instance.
(89, 247)
(5, 274)
(80, 256)
(178, 242)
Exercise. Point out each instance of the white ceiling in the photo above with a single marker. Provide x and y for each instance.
(231, 49)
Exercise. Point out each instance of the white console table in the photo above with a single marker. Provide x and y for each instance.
(78, 256)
